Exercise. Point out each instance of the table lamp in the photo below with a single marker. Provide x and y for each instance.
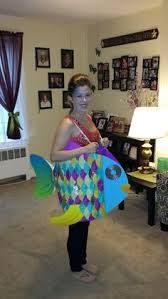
(147, 123)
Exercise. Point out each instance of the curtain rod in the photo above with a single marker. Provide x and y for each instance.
(4, 32)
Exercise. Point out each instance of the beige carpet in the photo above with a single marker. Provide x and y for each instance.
(132, 256)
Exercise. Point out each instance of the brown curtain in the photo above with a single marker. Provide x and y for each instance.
(11, 45)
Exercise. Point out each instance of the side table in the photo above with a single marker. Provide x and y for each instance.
(148, 182)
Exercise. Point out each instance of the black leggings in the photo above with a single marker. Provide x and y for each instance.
(77, 244)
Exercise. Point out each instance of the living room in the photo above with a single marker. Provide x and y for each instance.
(132, 254)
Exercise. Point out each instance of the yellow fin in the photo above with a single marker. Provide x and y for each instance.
(71, 216)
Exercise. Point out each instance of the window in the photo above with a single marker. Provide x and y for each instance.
(21, 107)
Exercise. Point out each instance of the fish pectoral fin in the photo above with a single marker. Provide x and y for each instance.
(71, 216)
(125, 188)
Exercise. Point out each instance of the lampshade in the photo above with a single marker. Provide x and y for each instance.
(148, 123)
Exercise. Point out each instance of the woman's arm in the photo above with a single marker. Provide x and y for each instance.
(63, 134)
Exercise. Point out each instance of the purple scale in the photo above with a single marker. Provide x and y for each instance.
(77, 200)
(82, 174)
(100, 185)
(91, 218)
(59, 196)
(97, 204)
(85, 200)
(70, 201)
(86, 156)
(94, 166)
(68, 174)
(84, 219)
(74, 175)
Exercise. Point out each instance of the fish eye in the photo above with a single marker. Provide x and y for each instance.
(113, 172)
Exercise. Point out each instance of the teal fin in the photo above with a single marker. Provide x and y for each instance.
(45, 182)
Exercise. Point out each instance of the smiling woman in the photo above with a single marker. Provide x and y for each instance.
(77, 128)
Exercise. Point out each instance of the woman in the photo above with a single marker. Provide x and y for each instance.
(77, 127)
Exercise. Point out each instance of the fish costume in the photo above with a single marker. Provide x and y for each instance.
(88, 186)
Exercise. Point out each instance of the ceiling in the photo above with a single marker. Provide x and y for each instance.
(84, 10)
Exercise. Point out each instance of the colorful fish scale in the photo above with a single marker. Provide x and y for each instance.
(80, 182)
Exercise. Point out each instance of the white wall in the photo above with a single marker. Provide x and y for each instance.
(162, 144)
(53, 35)
(114, 100)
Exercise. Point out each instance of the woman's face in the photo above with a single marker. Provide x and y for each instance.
(81, 98)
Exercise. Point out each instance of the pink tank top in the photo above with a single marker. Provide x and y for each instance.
(93, 136)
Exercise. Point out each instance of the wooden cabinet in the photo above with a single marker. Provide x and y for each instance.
(121, 149)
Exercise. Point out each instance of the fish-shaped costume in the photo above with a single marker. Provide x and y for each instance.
(88, 186)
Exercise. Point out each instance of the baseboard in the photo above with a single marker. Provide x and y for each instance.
(13, 180)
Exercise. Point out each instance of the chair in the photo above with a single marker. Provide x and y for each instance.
(162, 199)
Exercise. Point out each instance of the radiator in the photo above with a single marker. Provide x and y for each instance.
(14, 163)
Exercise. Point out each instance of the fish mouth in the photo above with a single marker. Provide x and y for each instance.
(125, 188)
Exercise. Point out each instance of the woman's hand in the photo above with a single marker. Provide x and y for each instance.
(105, 142)
(90, 148)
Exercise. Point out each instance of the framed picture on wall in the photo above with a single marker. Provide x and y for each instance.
(56, 80)
(145, 83)
(115, 84)
(145, 73)
(105, 84)
(123, 86)
(124, 62)
(65, 101)
(102, 123)
(123, 74)
(147, 62)
(132, 61)
(67, 59)
(45, 99)
(126, 148)
(153, 84)
(155, 62)
(118, 124)
(100, 74)
(153, 73)
(133, 153)
(106, 76)
(132, 73)
(131, 85)
(100, 85)
(106, 66)
(116, 63)
(116, 74)
(42, 57)
(150, 72)
(100, 67)
(96, 115)
(109, 126)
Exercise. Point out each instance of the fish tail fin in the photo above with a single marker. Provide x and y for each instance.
(44, 176)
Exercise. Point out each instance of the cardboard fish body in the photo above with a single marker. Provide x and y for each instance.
(88, 186)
